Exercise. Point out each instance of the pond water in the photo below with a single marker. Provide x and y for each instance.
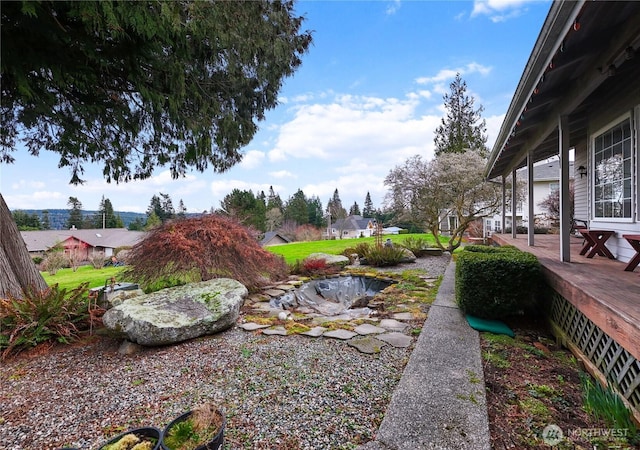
(333, 296)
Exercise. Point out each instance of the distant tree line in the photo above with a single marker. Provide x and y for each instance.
(261, 212)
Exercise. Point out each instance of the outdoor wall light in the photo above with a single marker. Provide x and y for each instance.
(582, 170)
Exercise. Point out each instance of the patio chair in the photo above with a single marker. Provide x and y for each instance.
(576, 225)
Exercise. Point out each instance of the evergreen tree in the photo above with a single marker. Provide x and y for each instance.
(335, 208)
(25, 221)
(46, 224)
(463, 128)
(137, 224)
(368, 210)
(152, 221)
(244, 207)
(354, 210)
(75, 218)
(314, 206)
(296, 209)
(162, 206)
(137, 86)
(106, 216)
(182, 210)
(274, 200)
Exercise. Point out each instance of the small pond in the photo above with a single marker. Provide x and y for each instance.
(348, 295)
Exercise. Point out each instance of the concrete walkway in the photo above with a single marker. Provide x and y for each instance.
(440, 402)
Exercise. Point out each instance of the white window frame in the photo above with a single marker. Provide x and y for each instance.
(614, 123)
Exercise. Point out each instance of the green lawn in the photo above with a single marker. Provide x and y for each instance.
(300, 250)
(68, 279)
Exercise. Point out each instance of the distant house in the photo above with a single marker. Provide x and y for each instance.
(353, 227)
(546, 180)
(87, 242)
(273, 238)
(392, 230)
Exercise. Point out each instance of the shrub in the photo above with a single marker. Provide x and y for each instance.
(496, 282)
(39, 316)
(384, 256)
(308, 233)
(54, 261)
(37, 260)
(97, 260)
(417, 245)
(200, 249)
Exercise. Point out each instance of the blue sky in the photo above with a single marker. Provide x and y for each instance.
(368, 95)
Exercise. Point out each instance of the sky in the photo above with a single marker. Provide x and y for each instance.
(368, 96)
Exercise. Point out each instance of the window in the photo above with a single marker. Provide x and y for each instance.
(554, 187)
(612, 167)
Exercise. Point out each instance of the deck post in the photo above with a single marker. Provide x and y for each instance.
(514, 231)
(565, 228)
(504, 205)
(530, 228)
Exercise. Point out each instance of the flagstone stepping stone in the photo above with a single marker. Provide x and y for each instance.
(285, 287)
(274, 292)
(367, 328)
(280, 331)
(315, 332)
(397, 340)
(295, 283)
(261, 307)
(393, 325)
(252, 326)
(340, 334)
(367, 344)
(257, 298)
(403, 316)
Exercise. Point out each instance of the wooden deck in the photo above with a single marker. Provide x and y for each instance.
(599, 287)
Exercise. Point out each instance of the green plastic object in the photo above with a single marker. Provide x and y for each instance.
(492, 326)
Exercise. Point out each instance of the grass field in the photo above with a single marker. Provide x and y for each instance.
(68, 279)
(300, 250)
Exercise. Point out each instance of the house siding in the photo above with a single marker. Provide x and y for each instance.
(605, 115)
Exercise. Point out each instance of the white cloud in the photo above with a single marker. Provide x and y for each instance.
(393, 7)
(282, 174)
(499, 10)
(445, 75)
(27, 184)
(252, 159)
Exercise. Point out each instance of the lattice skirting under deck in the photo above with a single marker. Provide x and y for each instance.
(611, 359)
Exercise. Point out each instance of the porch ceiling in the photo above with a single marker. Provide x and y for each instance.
(585, 52)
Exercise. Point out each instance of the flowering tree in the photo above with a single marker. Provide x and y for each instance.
(452, 184)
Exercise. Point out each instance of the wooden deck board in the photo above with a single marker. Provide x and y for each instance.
(599, 287)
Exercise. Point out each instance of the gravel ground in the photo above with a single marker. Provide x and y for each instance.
(278, 392)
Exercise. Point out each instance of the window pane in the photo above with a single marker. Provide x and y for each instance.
(612, 164)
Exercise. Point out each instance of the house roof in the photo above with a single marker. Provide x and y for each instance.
(269, 235)
(37, 241)
(549, 171)
(585, 53)
(352, 223)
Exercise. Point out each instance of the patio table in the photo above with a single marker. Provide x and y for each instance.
(595, 240)
(634, 240)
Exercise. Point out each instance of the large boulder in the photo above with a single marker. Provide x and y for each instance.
(338, 260)
(179, 313)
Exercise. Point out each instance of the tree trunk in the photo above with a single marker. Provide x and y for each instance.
(18, 270)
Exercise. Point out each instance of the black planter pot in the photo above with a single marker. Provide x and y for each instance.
(146, 432)
(214, 444)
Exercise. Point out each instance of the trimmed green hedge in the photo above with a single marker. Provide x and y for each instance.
(496, 282)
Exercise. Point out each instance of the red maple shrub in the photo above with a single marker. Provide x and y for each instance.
(200, 249)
